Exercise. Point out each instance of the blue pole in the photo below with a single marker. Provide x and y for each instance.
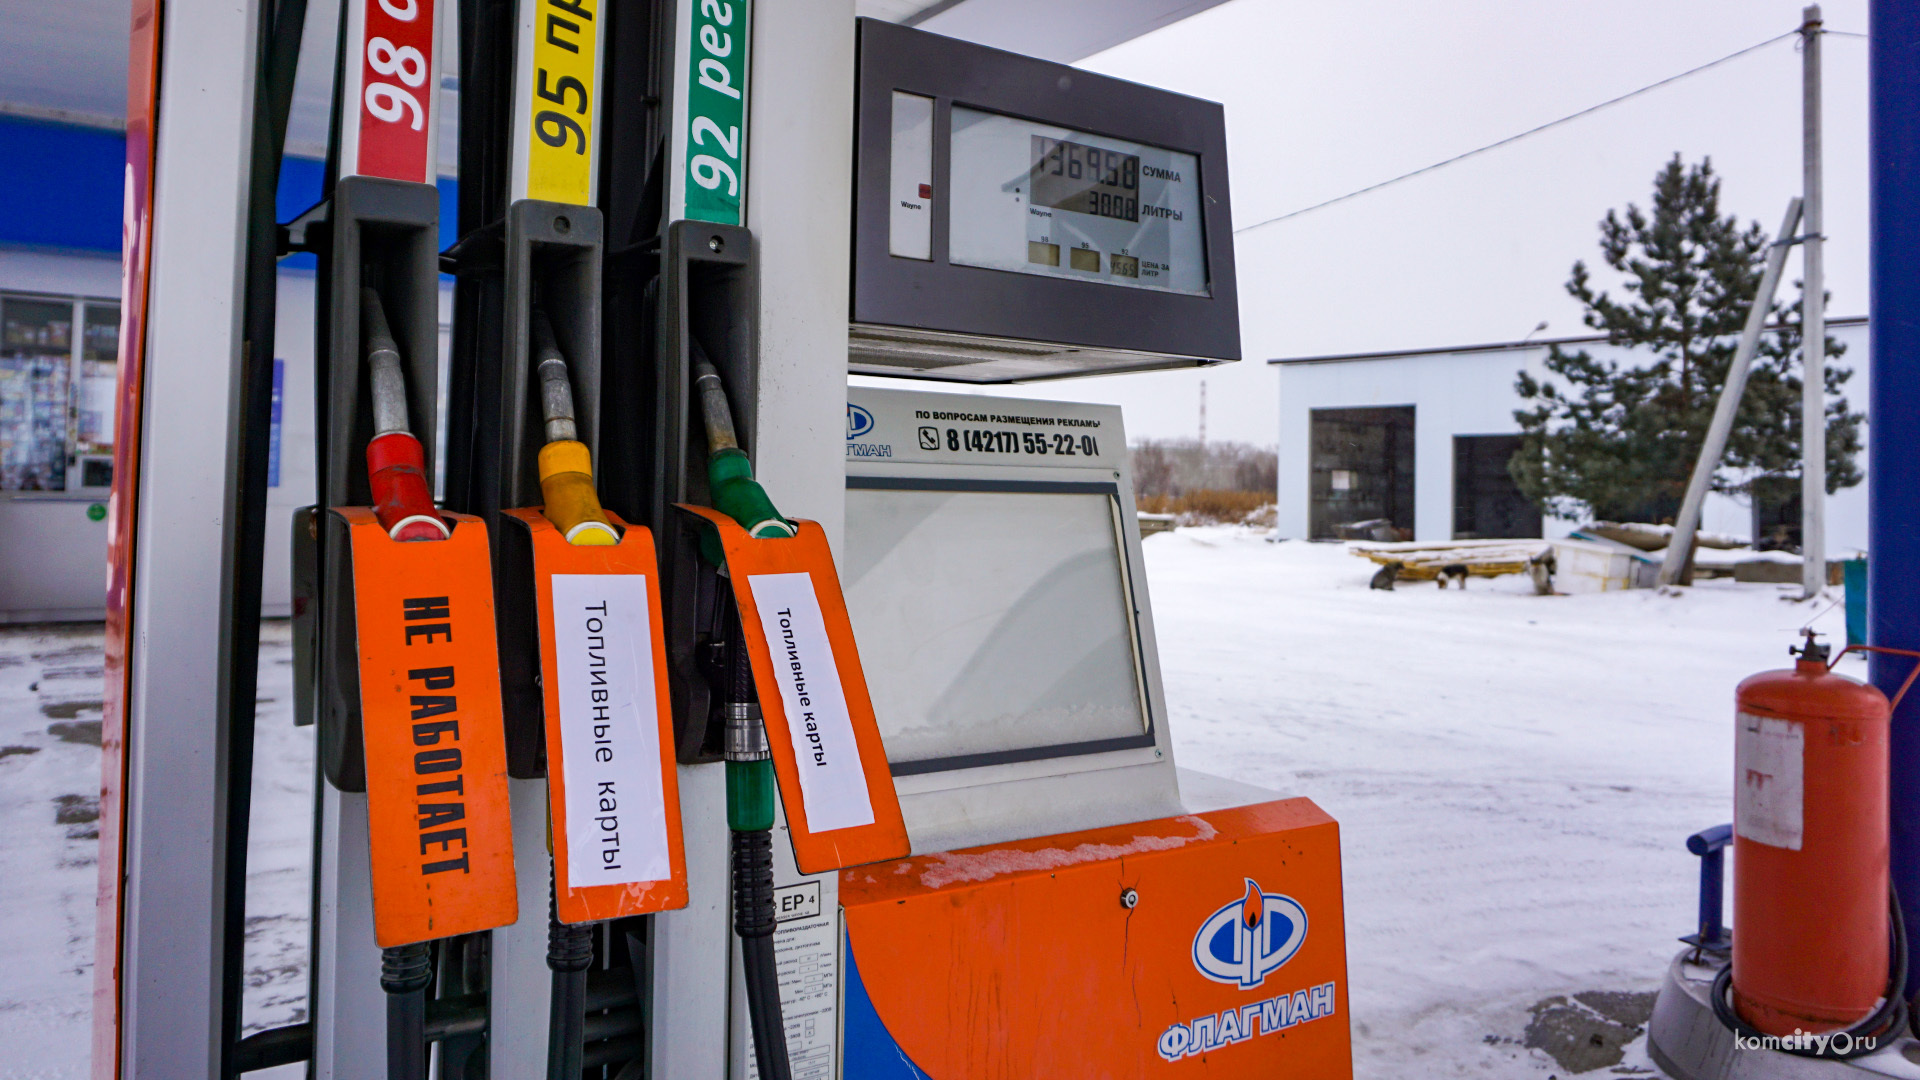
(1893, 431)
(1711, 846)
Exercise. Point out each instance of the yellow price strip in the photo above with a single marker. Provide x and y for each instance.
(562, 90)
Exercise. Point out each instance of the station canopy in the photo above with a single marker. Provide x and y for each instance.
(67, 62)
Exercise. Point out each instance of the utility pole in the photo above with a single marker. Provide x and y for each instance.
(1680, 549)
(1813, 426)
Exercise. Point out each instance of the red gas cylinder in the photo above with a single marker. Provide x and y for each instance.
(1810, 922)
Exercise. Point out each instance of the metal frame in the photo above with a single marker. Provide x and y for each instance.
(1893, 419)
(937, 295)
(176, 814)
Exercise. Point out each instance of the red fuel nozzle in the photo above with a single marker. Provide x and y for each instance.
(396, 465)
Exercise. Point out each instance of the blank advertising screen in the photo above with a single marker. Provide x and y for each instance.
(994, 625)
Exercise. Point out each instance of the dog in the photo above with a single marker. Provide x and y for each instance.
(1383, 578)
(1454, 572)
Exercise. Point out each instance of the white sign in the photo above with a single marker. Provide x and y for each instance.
(609, 731)
(832, 784)
(1769, 788)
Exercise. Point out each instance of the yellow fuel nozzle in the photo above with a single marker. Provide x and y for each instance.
(566, 468)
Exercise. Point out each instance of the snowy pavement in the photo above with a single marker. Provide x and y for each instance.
(1514, 776)
(50, 690)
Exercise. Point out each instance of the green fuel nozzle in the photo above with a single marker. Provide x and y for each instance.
(739, 496)
(729, 474)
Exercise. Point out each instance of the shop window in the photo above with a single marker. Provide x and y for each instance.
(57, 392)
(99, 366)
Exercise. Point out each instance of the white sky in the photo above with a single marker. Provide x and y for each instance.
(1323, 99)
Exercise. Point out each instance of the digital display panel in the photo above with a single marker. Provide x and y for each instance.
(1085, 179)
(1042, 199)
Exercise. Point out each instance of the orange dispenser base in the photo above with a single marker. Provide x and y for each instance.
(1207, 943)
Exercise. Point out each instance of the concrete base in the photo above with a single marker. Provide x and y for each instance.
(1689, 1043)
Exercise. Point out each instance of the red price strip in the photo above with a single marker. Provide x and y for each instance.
(393, 134)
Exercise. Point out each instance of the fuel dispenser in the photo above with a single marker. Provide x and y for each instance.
(823, 756)
(989, 653)
(1021, 220)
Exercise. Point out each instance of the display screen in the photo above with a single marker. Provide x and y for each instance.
(992, 622)
(1085, 179)
(1042, 199)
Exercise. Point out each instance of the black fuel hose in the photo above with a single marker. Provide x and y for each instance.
(1891, 1017)
(405, 971)
(569, 955)
(754, 916)
(753, 920)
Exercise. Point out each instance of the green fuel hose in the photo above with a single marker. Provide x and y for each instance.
(750, 780)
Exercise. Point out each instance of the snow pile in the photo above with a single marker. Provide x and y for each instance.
(1648, 537)
(1514, 775)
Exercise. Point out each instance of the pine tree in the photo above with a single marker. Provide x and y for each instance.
(1620, 443)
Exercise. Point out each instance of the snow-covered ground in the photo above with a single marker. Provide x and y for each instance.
(1514, 776)
(50, 689)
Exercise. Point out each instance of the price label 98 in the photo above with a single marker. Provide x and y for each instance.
(395, 129)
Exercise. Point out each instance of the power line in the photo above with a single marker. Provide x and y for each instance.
(1794, 33)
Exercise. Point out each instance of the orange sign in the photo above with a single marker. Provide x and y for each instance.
(441, 830)
(613, 796)
(834, 781)
(1212, 944)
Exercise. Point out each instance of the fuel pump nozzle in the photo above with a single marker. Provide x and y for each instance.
(566, 467)
(750, 777)
(396, 464)
(729, 474)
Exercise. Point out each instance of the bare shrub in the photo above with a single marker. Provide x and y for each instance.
(1205, 483)
(1210, 506)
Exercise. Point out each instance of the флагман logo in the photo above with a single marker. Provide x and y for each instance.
(1250, 937)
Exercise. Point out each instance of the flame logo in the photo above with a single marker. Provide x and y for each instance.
(1253, 905)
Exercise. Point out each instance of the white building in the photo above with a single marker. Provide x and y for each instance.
(1422, 437)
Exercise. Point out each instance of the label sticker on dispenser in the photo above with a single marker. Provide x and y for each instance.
(610, 729)
(815, 704)
(835, 784)
(710, 105)
(392, 89)
(613, 792)
(440, 826)
(559, 90)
